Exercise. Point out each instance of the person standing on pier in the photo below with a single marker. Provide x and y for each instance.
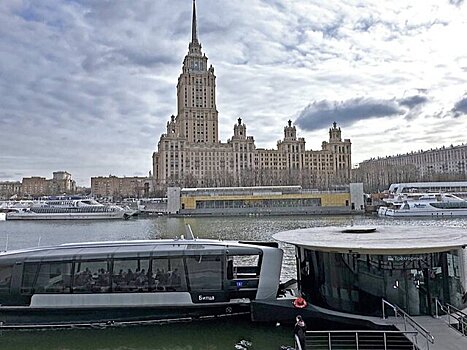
(300, 331)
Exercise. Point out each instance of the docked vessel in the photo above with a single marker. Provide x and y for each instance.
(458, 188)
(440, 204)
(134, 281)
(68, 209)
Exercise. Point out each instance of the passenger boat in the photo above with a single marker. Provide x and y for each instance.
(125, 282)
(439, 204)
(68, 209)
(458, 188)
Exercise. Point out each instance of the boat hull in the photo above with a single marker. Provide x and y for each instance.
(24, 317)
(65, 216)
(383, 211)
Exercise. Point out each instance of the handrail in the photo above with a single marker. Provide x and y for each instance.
(363, 331)
(398, 311)
(456, 309)
(355, 337)
(458, 315)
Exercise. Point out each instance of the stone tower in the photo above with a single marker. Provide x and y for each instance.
(197, 117)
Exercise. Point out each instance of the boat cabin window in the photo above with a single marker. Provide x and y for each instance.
(243, 266)
(53, 277)
(5, 278)
(48, 277)
(168, 274)
(130, 275)
(91, 277)
(29, 277)
(205, 272)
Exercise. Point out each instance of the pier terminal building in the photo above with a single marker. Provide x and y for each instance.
(190, 153)
(264, 200)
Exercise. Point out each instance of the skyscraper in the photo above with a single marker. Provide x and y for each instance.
(190, 154)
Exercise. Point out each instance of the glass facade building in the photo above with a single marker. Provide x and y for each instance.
(352, 270)
(356, 283)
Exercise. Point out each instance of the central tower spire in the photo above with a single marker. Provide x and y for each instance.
(194, 34)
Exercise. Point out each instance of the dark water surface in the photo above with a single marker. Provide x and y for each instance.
(216, 334)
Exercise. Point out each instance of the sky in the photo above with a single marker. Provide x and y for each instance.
(87, 86)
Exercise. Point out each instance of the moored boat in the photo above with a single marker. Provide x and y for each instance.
(125, 282)
(68, 209)
(439, 204)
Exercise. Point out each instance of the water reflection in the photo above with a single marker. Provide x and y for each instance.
(203, 335)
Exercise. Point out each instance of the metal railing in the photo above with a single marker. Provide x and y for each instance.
(452, 313)
(409, 321)
(360, 340)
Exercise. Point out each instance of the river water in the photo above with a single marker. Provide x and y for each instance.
(220, 334)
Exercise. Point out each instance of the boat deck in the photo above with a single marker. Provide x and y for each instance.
(446, 338)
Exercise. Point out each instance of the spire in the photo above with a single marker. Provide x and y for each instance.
(194, 34)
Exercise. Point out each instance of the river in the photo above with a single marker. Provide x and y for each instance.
(220, 334)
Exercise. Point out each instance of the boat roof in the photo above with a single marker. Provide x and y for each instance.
(132, 248)
(398, 239)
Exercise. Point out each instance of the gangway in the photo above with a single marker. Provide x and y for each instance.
(455, 318)
(436, 333)
(442, 332)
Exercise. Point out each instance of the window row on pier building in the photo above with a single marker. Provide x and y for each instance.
(190, 153)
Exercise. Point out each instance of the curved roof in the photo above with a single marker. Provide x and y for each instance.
(132, 248)
(382, 240)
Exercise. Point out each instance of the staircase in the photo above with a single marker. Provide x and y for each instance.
(359, 340)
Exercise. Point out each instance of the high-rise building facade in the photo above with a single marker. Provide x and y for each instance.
(440, 164)
(61, 183)
(9, 189)
(121, 187)
(190, 154)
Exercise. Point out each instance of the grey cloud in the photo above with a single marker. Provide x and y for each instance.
(456, 2)
(332, 30)
(8, 175)
(460, 107)
(320, 114)
(364, 24)
(413, 101)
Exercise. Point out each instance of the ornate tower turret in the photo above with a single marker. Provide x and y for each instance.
(335, 133)
(171, 126)
(290, 132)
(239, 130)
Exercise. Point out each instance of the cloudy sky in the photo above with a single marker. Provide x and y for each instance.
(88, 86)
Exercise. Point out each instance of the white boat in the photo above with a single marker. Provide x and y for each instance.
(440, 204)
(68, 209)
(413, 189)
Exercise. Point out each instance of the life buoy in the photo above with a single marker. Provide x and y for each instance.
(300, 303)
